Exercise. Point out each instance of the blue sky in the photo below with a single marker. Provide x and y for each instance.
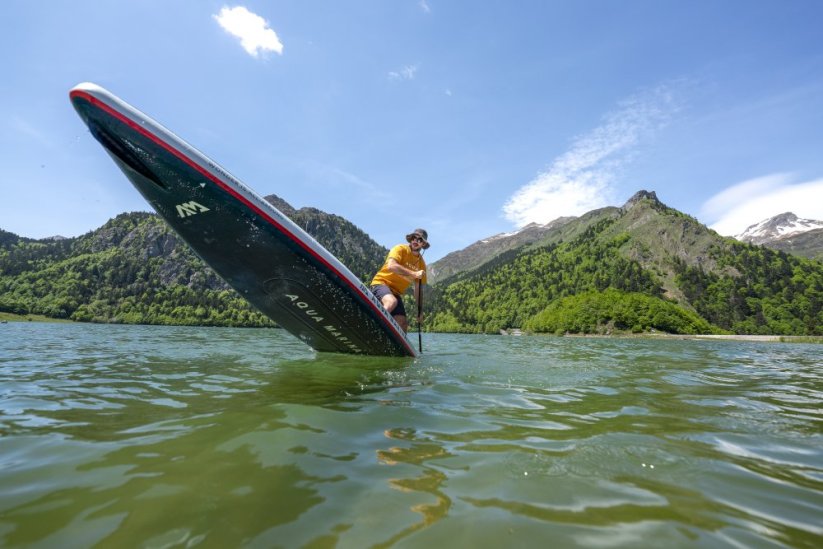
(466, 118)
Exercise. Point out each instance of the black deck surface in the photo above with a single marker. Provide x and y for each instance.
(259, 252)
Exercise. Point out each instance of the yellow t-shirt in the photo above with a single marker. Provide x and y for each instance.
(398, 283)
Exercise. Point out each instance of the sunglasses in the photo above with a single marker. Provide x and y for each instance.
(418, 239)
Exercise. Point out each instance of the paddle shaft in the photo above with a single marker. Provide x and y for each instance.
(420, 315)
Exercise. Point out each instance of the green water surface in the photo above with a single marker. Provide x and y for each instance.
(134, 436)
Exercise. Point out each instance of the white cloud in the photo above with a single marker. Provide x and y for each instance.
(406, 73)
(734, 209)
(424, 6)
(582, 178)
(252, 30)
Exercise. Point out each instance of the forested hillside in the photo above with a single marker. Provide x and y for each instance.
(642, 267)
(693, 280)
(131, 270)
(134, 269)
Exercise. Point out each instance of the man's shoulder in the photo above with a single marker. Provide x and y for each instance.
(400, 249)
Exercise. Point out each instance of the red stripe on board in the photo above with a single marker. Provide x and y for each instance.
(156, 139)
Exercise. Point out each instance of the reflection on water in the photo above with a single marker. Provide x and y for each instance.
(163, 437)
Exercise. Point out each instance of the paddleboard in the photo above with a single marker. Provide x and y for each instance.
(269, 260)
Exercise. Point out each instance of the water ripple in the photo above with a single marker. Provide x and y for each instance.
(159, 436)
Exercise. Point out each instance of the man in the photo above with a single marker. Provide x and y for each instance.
(403, 265)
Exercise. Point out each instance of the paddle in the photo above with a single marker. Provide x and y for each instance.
(420, 315)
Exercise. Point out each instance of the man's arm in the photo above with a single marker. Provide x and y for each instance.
(396, 268)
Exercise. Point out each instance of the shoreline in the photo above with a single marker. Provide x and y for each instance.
(746, 337)
(11, 317)
(772, 338)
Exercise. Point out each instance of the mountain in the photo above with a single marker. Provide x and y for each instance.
(134, 269)
(650, 266)
(532, 235)
(484, 250)
(788, 233)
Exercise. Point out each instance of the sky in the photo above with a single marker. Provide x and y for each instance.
(465, 118)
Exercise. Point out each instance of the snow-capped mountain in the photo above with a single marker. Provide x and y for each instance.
(777, 228)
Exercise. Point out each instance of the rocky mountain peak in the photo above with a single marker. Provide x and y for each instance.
(639, 196)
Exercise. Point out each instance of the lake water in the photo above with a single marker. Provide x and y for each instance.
(135, 436)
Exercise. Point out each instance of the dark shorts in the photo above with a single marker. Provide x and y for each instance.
(380, 290)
